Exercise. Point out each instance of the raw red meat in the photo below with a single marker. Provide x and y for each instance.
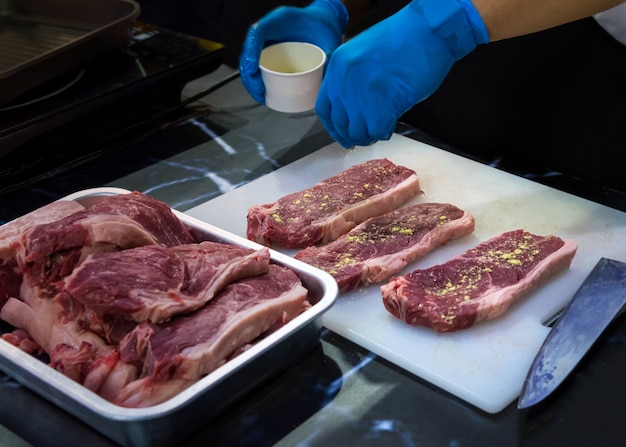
(154, 283)
(11, 234)
(48, 252)
(381, 246)
(47, 323)
(332, 207)
(75, 351)
(174, 354)
(10, 280)
(22, 340)
(478, 285)
(124, 220)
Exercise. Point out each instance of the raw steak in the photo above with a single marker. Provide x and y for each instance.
(49, 251)
(154, 283)
(174, 354)
(124, 220)
(381, 246)
(11, 234)
(478, 285)
(332, 207)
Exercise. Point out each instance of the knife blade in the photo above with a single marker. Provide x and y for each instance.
(598, 301)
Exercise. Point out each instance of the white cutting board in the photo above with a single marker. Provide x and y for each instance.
(485, 365)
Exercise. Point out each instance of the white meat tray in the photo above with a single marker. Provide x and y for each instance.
(485, 365)
(171, 421)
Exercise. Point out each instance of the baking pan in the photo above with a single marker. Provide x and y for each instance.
(174, 420)
(42, 39)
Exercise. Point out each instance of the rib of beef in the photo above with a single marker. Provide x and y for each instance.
(154, 283)
(478, 285)
(381, 246)
(174, 354)
(332, 207)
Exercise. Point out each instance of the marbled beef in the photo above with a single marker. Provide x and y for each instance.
(87, 273)
(381, 246)
(174, 355)
(11, 234)
(154, 283)
(478, 285)
(332, 207)
(124, 220)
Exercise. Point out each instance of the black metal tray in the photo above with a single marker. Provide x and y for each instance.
(42, 39)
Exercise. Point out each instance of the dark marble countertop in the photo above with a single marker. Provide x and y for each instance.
(338, 394)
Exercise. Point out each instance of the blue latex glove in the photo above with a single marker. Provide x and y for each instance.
(321, 23)
(374, 78)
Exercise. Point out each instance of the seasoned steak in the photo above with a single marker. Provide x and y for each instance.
(381, 246)
(478, 285)
(332, 207)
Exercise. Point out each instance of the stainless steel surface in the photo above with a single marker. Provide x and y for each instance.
(600, 298)
(181, 415)
(41, 39)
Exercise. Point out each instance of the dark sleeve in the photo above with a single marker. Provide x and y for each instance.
(553, 100)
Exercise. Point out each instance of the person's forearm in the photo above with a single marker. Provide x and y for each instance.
(512, 18)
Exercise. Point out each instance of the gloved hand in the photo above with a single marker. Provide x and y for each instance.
(321, 23)
(374, 78)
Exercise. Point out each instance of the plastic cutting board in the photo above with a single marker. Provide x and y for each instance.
(484, 365)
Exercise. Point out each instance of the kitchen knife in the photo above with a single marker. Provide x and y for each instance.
(599, 299)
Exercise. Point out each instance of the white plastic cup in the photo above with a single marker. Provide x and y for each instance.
(292, 73)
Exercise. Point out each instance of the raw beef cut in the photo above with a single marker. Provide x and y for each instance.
(74, 351)
(381, 246)
(154, 283)
(174, 354)
(11, 234)
(478, 285)
(10, 280)
(124, 220)
(332, 207)
(48, 252)
(21, 339)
